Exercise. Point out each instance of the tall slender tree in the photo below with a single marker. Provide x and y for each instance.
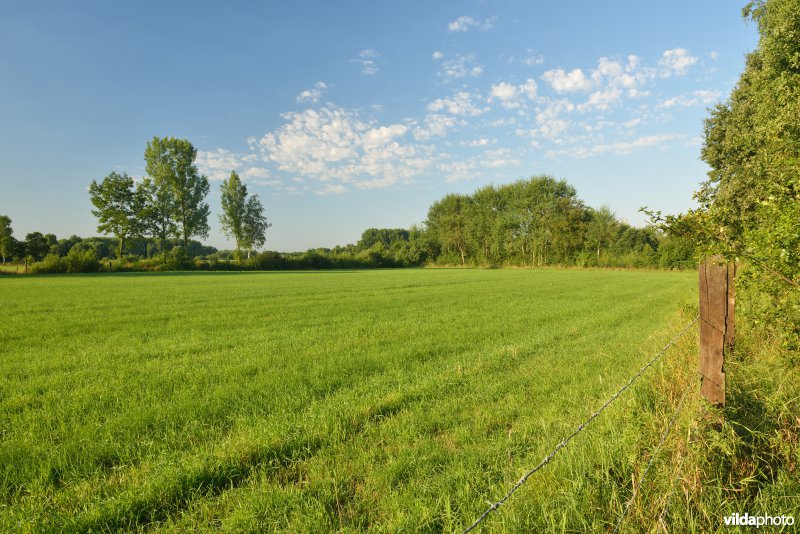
(6, 237)
(170, 162)
(242, 217)
(156, 215)
(255, 225)
(234, 202)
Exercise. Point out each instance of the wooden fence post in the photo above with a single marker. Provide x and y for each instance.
(717, 305)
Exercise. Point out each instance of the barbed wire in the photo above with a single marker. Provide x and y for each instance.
(657, 449)
(563, 443)
(679, 472)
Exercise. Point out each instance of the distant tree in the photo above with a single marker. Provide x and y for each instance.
(156, 215)
(242, 217)
(36, 246)
(447, 220)
(6, 237)
(118, 207)
(255, 225)
(234, 203)
(602, 229)
(170, 162)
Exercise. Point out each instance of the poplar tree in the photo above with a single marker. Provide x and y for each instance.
(170, 163)
(242, 217)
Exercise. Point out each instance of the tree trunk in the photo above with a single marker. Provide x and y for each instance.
(461, 250)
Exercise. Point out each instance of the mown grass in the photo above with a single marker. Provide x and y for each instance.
(389, 401)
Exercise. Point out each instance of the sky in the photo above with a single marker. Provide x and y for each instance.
(343, 116)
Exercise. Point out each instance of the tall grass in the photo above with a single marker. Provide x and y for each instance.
(390, 401)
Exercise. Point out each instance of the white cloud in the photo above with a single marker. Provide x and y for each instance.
(337, 146)
(676, 61)
(312, 95)
(707, 96)
(567, 82)
(531, 61)
(480, 142)
(602, 100)
(512, 96)
(460, 104)
(218, 164)
(703, 96)
(436, 125)
(368, 59)
(464, 24)
(499, 157)
(437, 55)
(714, 55)
(459, 171)
(505, 92)
(461, 66)
(618, 147)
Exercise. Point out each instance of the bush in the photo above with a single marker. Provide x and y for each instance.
(268, 261)
(179, 260)
(81, 260)
(51, 264)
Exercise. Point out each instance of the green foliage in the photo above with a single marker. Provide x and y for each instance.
(7, 244)
(118, 207)
(36, 246)
(750, 204)
(535, 222)
(170, 164)
(234, 202)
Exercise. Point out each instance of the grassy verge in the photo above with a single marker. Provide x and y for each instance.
(742, 458)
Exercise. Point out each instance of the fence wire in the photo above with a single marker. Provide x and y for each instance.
(563, 443)
(655, 452)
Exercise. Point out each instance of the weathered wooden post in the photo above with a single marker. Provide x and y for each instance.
(717, 305)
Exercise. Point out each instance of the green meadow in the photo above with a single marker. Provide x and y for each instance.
(384, 401)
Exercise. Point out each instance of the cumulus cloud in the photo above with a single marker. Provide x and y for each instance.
(676, 62)
(218, 164)
(567, 82)
(701, 96)
(618, 147)
(312, 95)
(435, 125)
(499, 157)
(480, 142)
(368, 59)
(531, 61)
(464, 24)
(437, 55)
(462, 103)
(337, 146)
(513, 96)
(461, 66)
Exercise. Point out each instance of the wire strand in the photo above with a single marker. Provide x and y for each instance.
(563, 443)
(657, 449)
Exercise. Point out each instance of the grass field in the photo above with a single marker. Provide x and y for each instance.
(392, 401)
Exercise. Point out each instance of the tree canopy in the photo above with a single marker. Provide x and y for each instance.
(170, 163)
(242, 217)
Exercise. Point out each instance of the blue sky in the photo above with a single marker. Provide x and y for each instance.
(348, 115)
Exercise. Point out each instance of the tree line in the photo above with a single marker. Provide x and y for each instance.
(534, 222)
(170, 202)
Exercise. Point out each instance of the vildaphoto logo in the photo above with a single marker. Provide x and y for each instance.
(747, 520)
